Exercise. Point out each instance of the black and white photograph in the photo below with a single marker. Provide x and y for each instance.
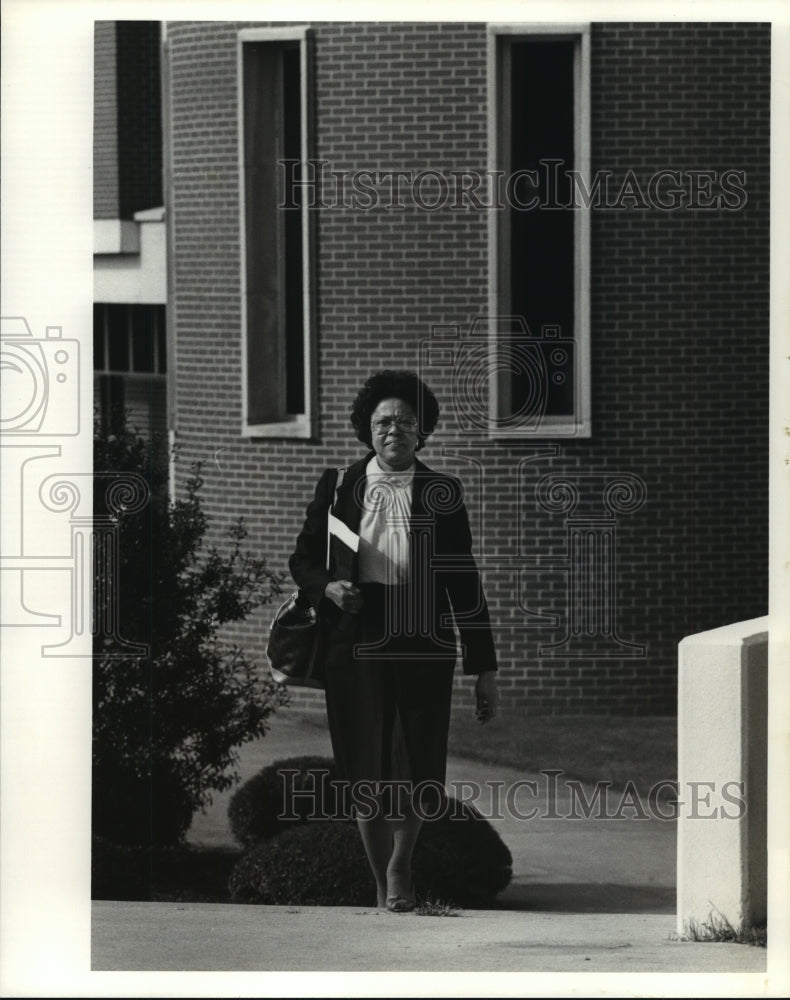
(394, 473)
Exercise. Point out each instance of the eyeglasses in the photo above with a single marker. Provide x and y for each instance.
(384, 424)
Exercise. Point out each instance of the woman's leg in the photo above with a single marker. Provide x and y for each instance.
(377, 839)
(389, 845)
(423, 696)
(404, 830)
(355, 699)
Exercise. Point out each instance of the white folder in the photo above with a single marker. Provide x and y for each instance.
(342, 531)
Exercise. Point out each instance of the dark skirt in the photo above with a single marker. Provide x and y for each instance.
(388, 706)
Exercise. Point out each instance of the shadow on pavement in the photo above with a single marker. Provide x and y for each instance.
(585, 897)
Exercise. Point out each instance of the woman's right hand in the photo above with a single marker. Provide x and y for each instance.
(345, 595)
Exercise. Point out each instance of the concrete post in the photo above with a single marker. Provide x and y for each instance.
(722, 774)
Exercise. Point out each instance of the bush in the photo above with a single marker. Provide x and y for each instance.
(312, 864)
(119, 871)
(167, 724)
(256, 808)
(167, 874)
(459, 857)
(139, 809)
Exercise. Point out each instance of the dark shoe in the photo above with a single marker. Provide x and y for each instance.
(400, 904)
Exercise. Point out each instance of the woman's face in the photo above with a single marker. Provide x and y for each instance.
(393, 428)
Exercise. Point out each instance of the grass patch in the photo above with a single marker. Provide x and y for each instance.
(589, 748)
(436, 908)
(718, 928)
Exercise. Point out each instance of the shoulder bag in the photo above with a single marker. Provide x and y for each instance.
(295, 644)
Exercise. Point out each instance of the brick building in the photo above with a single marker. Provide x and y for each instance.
(607, 182)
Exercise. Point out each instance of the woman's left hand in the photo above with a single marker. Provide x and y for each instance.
(487, 696)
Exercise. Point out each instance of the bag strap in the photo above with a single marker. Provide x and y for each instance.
(338, 481)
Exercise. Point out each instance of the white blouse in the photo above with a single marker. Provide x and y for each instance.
(384, 525)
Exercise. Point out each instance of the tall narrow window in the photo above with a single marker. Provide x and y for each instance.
(539, 289)
(276, 269)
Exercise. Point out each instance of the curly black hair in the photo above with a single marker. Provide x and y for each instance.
(388, 384)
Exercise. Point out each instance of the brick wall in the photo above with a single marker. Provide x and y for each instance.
(679, 320)
(105, 122)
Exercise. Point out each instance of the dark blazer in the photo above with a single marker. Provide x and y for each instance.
(443, 576)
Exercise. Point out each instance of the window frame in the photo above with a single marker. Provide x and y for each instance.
(579, 424)
(113, 386)
(159, 316)
(303, 425)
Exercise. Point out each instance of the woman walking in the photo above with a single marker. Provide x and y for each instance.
(401, 570)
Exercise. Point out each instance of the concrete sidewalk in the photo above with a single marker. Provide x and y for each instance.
(587, 895)
(217, 937)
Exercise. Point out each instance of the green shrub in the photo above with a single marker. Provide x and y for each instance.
(120, 871)
(139, 809)
(165, 874)
(167, 725)
(459, 858)
(256, 808)
(320, 863)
